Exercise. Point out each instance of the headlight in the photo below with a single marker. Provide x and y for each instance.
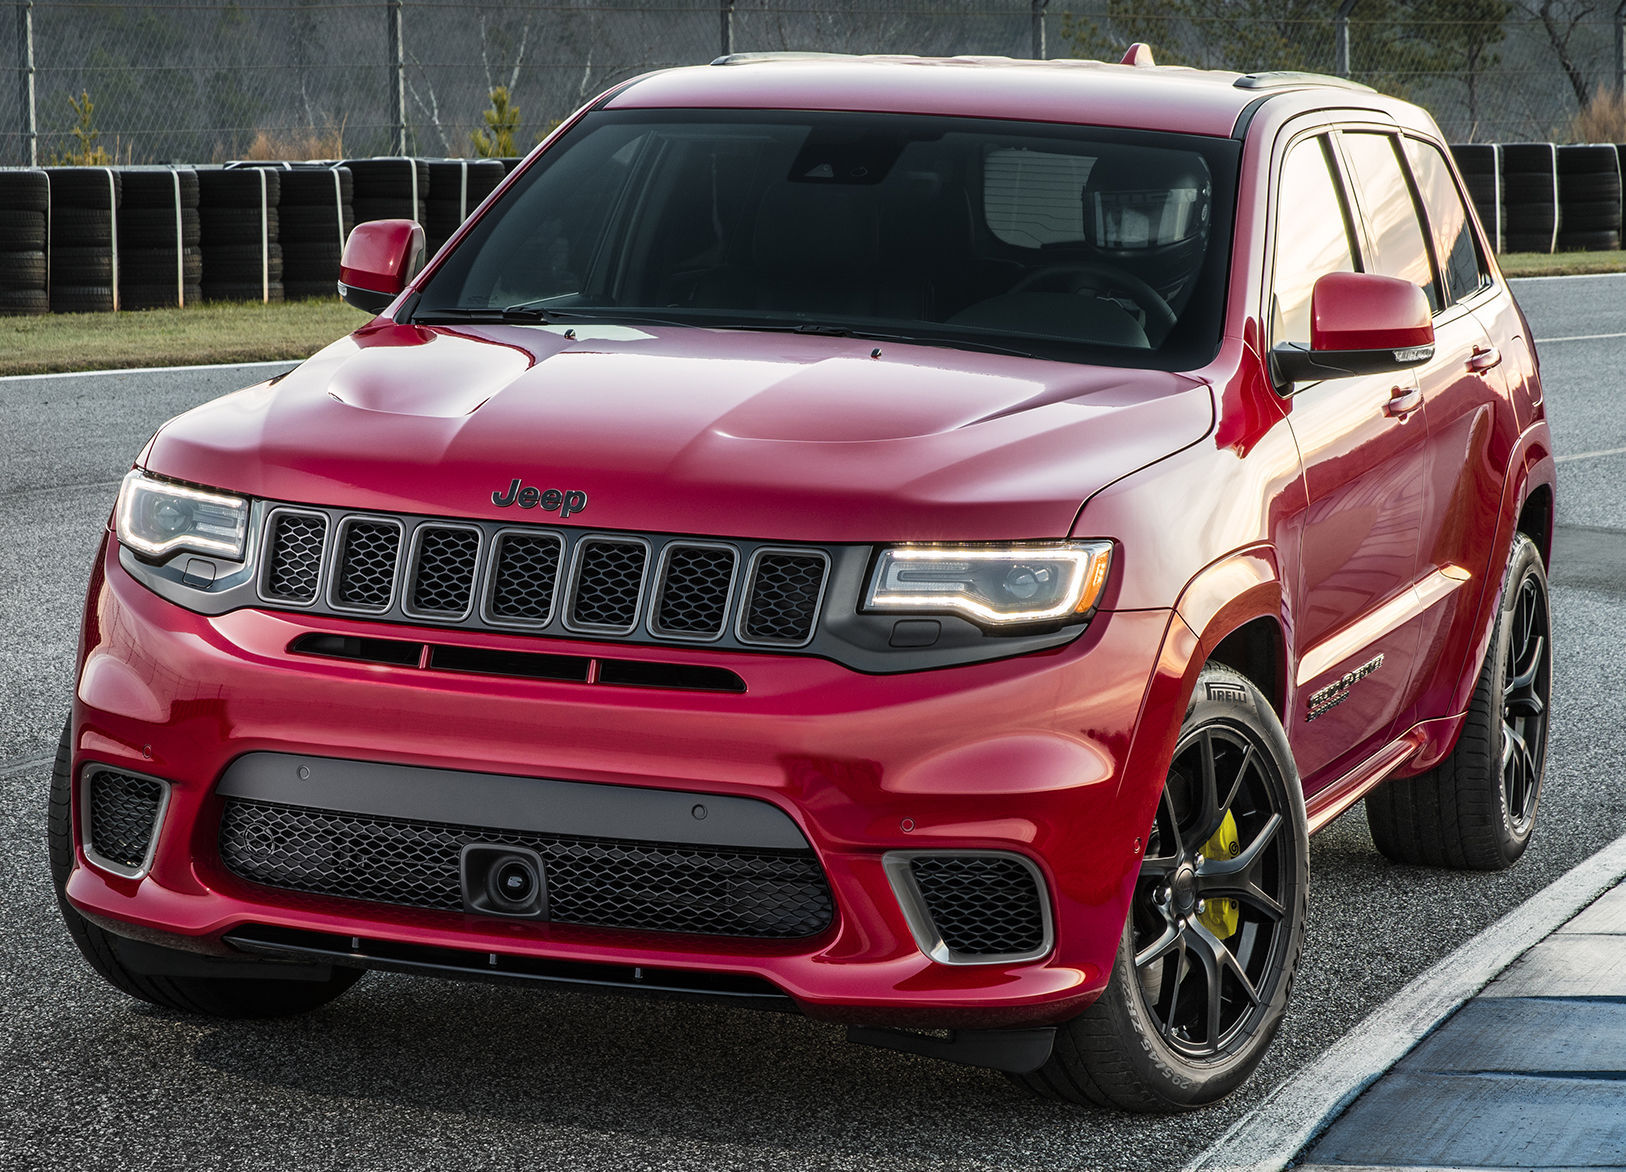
(992, 585)
(156, 518)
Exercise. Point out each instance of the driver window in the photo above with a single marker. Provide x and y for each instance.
(1312, 237)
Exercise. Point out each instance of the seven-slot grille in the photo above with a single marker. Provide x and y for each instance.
(505, 577)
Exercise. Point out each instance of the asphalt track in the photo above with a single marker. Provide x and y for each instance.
(409, 1072)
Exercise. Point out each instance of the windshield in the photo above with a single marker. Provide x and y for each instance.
(1067, 242)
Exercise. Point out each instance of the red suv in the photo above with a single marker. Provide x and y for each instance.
(920, 543)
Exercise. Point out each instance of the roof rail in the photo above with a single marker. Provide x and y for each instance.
(1276, 79)
(794, 55)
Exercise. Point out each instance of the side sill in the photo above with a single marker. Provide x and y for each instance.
(1332, 801)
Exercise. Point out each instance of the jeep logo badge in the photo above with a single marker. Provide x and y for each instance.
(529, 497)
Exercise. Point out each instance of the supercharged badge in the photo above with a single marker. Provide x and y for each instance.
(548, 500)
(1337, 692)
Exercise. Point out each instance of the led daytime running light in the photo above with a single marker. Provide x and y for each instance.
(138, 488)
(1086, 569)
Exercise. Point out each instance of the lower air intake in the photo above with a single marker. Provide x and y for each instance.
(651, 886)
(982, 904)
(120, 814)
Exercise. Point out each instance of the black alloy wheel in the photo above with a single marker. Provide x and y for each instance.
(1215, 924)
(1476, 809)
(1525, 693)
(1210, 915)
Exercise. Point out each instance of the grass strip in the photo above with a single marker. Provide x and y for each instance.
(197, 335)
(1560, 264)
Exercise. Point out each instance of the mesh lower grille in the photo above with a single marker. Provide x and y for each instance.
(663, 887)
(122, 810)
(443, 578)
(609, 580)
(524, 576)
(294, 556)
(694, 590)
(982, 905)
(367, 556)
(784, 597)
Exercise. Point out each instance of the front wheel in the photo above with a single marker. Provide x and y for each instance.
(1215, 927)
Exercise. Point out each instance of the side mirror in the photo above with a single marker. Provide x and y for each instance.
(379, 259)
(1360, 323)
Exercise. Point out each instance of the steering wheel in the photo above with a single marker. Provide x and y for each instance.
(1094, 276)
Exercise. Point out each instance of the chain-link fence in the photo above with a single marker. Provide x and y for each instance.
(202, 80)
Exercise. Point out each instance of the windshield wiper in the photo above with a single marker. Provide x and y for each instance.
(830, 330)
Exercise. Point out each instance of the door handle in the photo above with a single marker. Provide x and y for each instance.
(1403, 401)
(1484, 358)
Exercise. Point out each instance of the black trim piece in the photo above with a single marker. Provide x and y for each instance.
(574, 808)
(524, 664)
(1013, 1050)
(637, 673)
(1245, 119)
(398, 652)
(457, 963)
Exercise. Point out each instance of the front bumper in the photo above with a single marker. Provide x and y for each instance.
(1037, 755)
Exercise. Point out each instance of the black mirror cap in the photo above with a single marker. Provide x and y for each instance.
(368, 300)
(1293, 362)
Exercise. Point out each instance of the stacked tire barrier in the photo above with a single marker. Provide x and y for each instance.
(25, 201)
(84, 238)
(316, 215)
(1481, 167)
(456, 187)
(242, 256)
(1589, 210)
(160, 238)
(1530, 197)
(390, 189)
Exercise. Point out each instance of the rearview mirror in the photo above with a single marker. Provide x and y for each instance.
(1360, 323)
(379, 259)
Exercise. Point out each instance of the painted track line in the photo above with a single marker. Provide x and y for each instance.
(14, 378)
(1578, 338)
(1299, 1109)
(1564, 277)
(1589, 455)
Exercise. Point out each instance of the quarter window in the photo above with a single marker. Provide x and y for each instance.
(1398, 245)
(1312, 237)
(1454, 244)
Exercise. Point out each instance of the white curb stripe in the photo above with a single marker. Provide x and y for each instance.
(290, 362)
(1589, 455)
(1299, 1109)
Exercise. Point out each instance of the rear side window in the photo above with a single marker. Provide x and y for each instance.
(1312, 238)
(1454, 245)
(1398, 245)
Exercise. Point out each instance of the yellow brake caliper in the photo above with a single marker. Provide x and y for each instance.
(1221, 915)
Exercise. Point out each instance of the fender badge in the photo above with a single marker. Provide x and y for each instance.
(1324, 700)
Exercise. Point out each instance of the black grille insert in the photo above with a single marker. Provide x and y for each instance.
(365, 577)
(982, 905)
(443, 572)
(524, 574)
(294, 556)
(649, 886)
(609, 581)
(784, 598)
(695, 583)
(122, 811)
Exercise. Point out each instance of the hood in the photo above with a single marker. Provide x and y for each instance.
(685, 430)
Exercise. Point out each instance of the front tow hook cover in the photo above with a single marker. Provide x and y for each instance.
(503, 880)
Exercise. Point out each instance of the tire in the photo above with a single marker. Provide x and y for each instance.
(237, 225)
(25, 191)
(155, 227)
(1537, 189)
(242, 291)
(22, 270)
(74, 225)
(24, 302)
(1588, 188)
(1526, 242)
(156, 188)
(1590, 216)
(143, 268)
(1475, 810)
(238, 189)
(84, 187)
(82, 265)
(314, 188)
(1588, 159)
(1249, 856)
(1601, 240)
(21, 231)
(81, 298)
(129, 968)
